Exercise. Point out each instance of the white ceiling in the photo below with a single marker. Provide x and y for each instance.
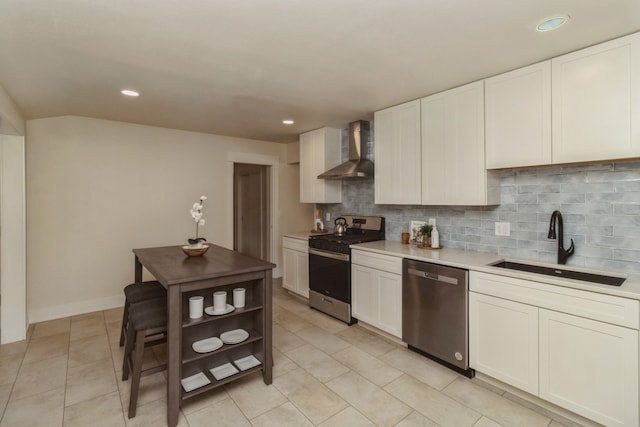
(238, 67)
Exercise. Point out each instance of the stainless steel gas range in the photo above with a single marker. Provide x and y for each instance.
(330, 265)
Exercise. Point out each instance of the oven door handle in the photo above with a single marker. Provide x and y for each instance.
(332, 255)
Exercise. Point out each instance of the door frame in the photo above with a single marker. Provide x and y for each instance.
(273, 172)
(265, 221)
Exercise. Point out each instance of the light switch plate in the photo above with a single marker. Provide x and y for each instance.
(327, 216)
(503, 228)
(432, 221)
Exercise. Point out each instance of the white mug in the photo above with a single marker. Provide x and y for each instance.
(196, 305)
(219, 301)
(238, 297)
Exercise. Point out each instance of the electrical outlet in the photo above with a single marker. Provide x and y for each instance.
(327, 216)
(432, 221)
(503, 228)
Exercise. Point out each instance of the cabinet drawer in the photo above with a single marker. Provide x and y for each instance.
(295, 244)
(387, 263)
(592, 305)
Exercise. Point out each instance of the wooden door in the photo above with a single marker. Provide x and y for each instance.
(251, 213)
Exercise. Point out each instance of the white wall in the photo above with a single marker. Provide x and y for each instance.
(97, 189)
(12, 222)
(13, 319)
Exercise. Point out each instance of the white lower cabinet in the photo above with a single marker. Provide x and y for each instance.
(376, 288)
(503, 340)
(584, 359)
(295, 271)
(589, 367)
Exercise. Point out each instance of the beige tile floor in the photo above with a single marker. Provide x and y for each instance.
(67, 373)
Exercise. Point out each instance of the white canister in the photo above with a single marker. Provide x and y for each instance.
(239, 297)
(219, 301)
(196, 305)
(435, 238)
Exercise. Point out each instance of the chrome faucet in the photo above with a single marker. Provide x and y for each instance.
(563, 254)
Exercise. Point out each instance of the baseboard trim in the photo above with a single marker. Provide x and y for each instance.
(74, 308)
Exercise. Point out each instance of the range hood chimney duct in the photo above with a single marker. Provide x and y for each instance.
(358, 165)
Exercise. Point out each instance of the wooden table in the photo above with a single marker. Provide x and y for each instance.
(218, 269)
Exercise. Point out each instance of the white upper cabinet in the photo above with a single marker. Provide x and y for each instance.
(518, 117)
(397, 154)
(320, 150)
(453, 153)
(596, 102)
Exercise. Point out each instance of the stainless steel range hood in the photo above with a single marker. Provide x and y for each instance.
(358, 165)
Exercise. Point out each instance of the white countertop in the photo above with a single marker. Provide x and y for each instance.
(479, 261)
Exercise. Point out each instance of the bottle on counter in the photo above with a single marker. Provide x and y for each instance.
(435, 238)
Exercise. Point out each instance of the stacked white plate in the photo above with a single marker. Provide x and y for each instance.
(207, 345)
(246, 362)
(194, 381)
(223, 371)
(234, 337)
(211, 312)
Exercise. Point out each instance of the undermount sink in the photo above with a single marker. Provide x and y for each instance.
(559, 272)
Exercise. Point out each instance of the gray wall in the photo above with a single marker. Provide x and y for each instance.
(600, 206)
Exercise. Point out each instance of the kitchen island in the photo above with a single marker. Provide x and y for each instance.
(219, 269)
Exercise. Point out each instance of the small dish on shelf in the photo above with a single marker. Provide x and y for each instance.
(223, 371)
(234, 337)
(195, 381)
(211, 312)
(207, 345)
(247, 362)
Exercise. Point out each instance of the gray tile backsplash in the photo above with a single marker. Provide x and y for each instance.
(600, 205)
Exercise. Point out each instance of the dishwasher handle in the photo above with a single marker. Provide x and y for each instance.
(432, 276)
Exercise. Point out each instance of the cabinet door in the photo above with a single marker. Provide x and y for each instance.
(389, 288)
(320, 150)
(453, 155)
(377, 298)
(589, 367)
(289, 268)
(518, 117)
(397, 154)
(503, 340)
(364, 301)
(302, 277)
(596, 102)
(307, 168)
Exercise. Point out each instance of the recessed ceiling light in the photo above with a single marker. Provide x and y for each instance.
(288, 122)
(129, 92)
(552, 23)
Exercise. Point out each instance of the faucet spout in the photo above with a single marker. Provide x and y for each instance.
(563, 254)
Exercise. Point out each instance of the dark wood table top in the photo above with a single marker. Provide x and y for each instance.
(170, 265)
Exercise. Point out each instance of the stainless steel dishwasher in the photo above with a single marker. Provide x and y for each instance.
(435, 302)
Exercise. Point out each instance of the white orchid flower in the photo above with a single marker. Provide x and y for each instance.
(196, 214)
